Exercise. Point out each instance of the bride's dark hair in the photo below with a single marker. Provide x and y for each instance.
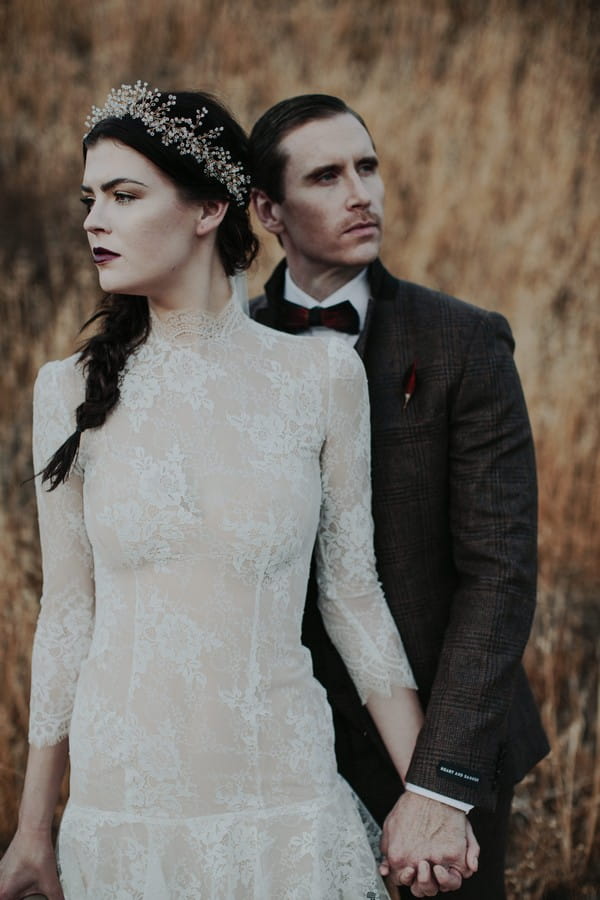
(124, 321)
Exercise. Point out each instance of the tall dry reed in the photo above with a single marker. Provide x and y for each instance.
(485, 115)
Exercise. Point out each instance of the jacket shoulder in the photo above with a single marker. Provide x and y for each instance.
(431, 301)
(433, 311)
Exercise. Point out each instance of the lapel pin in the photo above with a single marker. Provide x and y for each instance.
(409, 383)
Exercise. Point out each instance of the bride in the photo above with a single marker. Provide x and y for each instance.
(189, 458)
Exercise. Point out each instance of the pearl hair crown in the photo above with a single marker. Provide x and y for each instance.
(151, 107)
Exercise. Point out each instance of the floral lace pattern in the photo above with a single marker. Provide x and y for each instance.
(168, 644)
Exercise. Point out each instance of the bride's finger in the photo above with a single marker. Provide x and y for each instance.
(448, 879)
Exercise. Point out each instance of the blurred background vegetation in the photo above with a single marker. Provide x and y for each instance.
(486, 116)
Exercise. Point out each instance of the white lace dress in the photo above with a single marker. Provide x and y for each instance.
(168, 646)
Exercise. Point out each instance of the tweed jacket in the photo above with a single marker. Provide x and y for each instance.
(455, 512)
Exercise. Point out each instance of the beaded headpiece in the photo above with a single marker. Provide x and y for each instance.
(151, 107)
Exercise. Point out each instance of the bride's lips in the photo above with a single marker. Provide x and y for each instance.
(102, 255)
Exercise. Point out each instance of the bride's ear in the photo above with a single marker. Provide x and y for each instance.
(210, 215)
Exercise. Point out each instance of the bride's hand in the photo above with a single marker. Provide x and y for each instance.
(29, 867)
(392, 889)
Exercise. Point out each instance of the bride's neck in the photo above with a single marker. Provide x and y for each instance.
(204, 288)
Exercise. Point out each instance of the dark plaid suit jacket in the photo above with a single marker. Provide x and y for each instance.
(455, 510)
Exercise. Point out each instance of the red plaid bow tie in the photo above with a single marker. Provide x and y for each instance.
(294, 318)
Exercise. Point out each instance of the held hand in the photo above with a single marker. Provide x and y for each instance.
(445, 879)
(29, 867)
(428, 845)
(424, 880)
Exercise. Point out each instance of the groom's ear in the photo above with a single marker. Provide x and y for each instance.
(268, 213)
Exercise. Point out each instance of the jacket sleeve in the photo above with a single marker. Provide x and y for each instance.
(493, 517)
(351, 600)
(64, 626)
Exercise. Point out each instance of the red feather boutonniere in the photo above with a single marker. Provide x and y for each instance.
(409, 383)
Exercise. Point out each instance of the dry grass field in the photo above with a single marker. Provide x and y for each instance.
(486, 115)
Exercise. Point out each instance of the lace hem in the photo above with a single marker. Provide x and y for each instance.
(314, 849)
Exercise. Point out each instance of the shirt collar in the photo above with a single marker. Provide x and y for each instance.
(356, 291)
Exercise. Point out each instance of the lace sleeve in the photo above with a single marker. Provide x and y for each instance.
(351, 600)
(65, 622)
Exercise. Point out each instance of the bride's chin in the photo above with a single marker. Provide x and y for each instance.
(114, 286)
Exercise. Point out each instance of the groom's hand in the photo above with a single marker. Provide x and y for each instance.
(428, 845)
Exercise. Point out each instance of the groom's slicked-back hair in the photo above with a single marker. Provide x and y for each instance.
(266, 155)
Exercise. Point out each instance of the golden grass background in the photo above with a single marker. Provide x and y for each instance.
(486, 117)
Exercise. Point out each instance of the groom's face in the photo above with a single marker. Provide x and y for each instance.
(331, 214)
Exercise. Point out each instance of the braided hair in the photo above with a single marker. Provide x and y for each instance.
(123, 320)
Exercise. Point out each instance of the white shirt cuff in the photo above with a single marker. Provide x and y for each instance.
(449, 801)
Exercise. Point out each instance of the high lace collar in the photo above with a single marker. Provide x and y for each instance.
(182, 326)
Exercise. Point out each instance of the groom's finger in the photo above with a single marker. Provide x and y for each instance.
(472, 851)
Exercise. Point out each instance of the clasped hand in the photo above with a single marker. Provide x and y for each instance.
(427, 846)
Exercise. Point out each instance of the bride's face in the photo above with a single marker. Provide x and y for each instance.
(142, 234)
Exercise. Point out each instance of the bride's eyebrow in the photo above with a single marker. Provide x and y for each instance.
(113, 183)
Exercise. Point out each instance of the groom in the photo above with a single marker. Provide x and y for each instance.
(454, 497)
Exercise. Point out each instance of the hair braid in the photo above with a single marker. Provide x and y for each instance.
(125, 325)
